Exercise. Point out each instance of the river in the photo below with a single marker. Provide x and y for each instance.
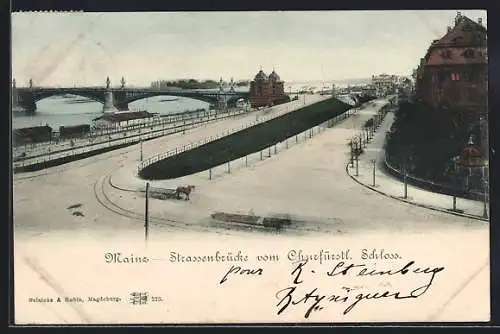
(59, 111)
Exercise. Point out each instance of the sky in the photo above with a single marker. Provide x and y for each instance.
(82, 49)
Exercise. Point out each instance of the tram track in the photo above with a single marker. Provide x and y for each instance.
(104, 200)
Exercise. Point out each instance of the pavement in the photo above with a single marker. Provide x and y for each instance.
(305, 180)
(392, 187)
(75, 182)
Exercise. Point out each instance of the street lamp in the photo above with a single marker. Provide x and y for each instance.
(485, 189)
(455, 162)
(146, 213)
(140, 141)
(351, 144)
(357, 151)
(405, 179)
(374, 162)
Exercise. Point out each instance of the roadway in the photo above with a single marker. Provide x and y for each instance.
(72, 183)
(307, 181)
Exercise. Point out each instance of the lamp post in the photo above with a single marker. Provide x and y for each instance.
(485, 189)
(357, 164)
(405, 179)
(455, 161)
(146, 214)
(374, 162)
(140, 141)
(351, 144)
(357, 150)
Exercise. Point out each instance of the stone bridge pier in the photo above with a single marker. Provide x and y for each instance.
(119, 100)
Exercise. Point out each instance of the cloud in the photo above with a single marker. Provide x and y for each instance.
(149, 46)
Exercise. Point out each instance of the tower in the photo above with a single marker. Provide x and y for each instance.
(231, 86)
(221, 85)
(221, 97)
(122, 83)
(15, 101)
(108, 98)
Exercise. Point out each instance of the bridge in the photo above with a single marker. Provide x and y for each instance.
(117, 99)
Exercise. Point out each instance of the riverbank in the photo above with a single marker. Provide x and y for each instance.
(44, 156)
(243, 141)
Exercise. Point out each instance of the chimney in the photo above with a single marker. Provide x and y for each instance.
(480, 21)
(458, 17)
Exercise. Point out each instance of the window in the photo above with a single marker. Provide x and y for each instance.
(446, 54)
(469, 53)
(470, 76)
(455, 76)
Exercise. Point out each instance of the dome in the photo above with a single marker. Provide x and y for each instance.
(274, 76)
(261, 76)
(472, 151)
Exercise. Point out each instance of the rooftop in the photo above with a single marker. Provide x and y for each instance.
(125, 116)
(465, 32)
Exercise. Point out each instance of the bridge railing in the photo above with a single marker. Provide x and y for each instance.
(151, 160)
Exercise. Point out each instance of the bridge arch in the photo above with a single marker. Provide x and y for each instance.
(38, 96)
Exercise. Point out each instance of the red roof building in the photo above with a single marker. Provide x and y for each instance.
(267, 90)
(454, 72)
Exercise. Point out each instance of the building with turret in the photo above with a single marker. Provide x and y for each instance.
(454, 72)
(453, 77)
(267, 90)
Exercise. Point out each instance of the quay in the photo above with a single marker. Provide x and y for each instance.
(42, 155)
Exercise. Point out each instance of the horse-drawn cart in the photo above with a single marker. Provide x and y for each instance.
(163, 193)
(167, 193)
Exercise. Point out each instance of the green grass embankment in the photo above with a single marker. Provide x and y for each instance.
(244, 142)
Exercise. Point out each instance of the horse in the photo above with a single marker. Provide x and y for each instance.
(186, 190)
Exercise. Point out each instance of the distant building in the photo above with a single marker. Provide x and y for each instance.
(385, 84)
(454, 72)
(369, 90)
(267, 90)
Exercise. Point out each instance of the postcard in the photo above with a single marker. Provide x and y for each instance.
(250, 167)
